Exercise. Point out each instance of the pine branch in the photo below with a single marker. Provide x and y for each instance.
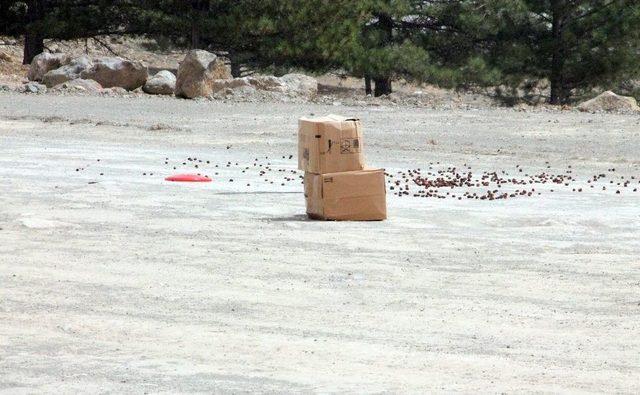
(105, 45)
(592, 12)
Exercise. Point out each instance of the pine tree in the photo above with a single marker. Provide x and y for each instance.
(67, 19)
(589, 43)
(412, 39)
(575, 45)
(376, 44)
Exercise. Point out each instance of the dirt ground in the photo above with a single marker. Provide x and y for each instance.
(113, 280)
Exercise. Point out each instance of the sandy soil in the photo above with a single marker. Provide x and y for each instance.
(115, 281)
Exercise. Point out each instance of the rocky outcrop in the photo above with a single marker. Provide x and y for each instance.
(117, 72)
(162, 83)
(68, 72)
(44, 62)
(610, 102)
(197, 73)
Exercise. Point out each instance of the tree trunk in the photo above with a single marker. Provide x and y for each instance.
(236, 71)
(383, 86)
(558, 90)
(383, 82)
(199, 9)
(33, 37)
(367, 84)
(195, 35)
(33, 45)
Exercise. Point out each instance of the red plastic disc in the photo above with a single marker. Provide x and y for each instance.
(188, 178)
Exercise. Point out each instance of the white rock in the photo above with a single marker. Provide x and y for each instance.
(119, 72)
(162, 83)
(68, 72)
(44, 62)
(197, 73)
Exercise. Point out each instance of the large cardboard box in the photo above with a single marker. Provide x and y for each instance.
(330, 144)
(353, 195)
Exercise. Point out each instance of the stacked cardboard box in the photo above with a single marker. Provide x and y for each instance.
(337, 185)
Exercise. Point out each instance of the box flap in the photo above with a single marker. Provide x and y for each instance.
(328, 118)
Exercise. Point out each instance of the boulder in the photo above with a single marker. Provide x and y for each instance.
(162, 83)
(68, 72)
(79, 85)
(119, 72)
(197, 73)
(610, 102)
(34, 87)
(44, 62)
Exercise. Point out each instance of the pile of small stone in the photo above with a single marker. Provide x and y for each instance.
(462, 183)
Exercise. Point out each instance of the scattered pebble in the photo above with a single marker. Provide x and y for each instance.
(435, 181)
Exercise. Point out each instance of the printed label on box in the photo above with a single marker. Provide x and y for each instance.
(350, 146)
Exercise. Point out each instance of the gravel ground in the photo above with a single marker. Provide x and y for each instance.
(114, 280)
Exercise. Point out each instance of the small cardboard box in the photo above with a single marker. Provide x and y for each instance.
(330, 144)
(351, 196)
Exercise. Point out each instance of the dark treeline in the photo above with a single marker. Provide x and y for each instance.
(575, 45)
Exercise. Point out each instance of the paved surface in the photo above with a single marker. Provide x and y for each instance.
(122, 282)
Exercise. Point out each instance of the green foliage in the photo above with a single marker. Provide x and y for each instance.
(575, 45)
(66, 18)
(11, 14)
